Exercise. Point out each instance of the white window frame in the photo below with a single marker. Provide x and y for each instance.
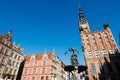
(97, 54)
(93, 68)
(90, 54)
(104, 53)
(111, 51)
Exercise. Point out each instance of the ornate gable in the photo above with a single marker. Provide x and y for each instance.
(33, 57)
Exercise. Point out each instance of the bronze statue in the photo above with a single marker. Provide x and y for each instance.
(74, 68)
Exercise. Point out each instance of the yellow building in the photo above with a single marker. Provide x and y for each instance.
(100, 51)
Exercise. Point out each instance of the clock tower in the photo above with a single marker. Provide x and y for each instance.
(100, 51)
(83, 23)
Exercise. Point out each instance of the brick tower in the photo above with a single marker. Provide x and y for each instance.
(100, 51)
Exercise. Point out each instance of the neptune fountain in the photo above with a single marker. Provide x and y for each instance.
(74, 68)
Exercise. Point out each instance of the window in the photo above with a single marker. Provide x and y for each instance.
(43, 70)
(24, 78)
(13, 63)
(46, 77)
(101, 67)
(88, 44)
(5, 61)
(5, 42)
(12, 54)
(15, 72)
(108, 42)
(33, 78)
(15, 56)
(111, 51)
(9, 63)
(0, 56)
(104, 53)
(27, 64)
(34, 70)
(6, 52)
(106, 37)
(97, 53)
(1, 69)
(18, 57)
(94, 44)
(2, 49)
(93, 38)
(90, 54)
(8, 43)
(93, 68)
(10, 70)
(6, 70)
(100, 38)
(35, 64)
(25, 71)
(87, 40)
(44, 63)
(17, 64)
(42, 77)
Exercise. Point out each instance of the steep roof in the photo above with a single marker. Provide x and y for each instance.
(50, 54)
(7, 37)
(27, 57)
(40, 56)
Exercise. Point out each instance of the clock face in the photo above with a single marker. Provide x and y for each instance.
(84, 26)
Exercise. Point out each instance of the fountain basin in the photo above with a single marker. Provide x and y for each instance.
(70, 68)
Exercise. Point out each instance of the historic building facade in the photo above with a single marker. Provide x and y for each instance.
(16, 58)
(100, 51)
(5, 50)
(10, 57)
(45, 66)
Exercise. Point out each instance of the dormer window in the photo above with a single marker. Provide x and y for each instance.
(104, 53)
(111, 51)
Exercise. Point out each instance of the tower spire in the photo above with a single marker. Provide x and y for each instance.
(82, 18)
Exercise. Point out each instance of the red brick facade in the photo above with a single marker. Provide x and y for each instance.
(100, 51)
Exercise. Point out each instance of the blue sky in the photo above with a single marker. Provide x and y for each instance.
(41, 25)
